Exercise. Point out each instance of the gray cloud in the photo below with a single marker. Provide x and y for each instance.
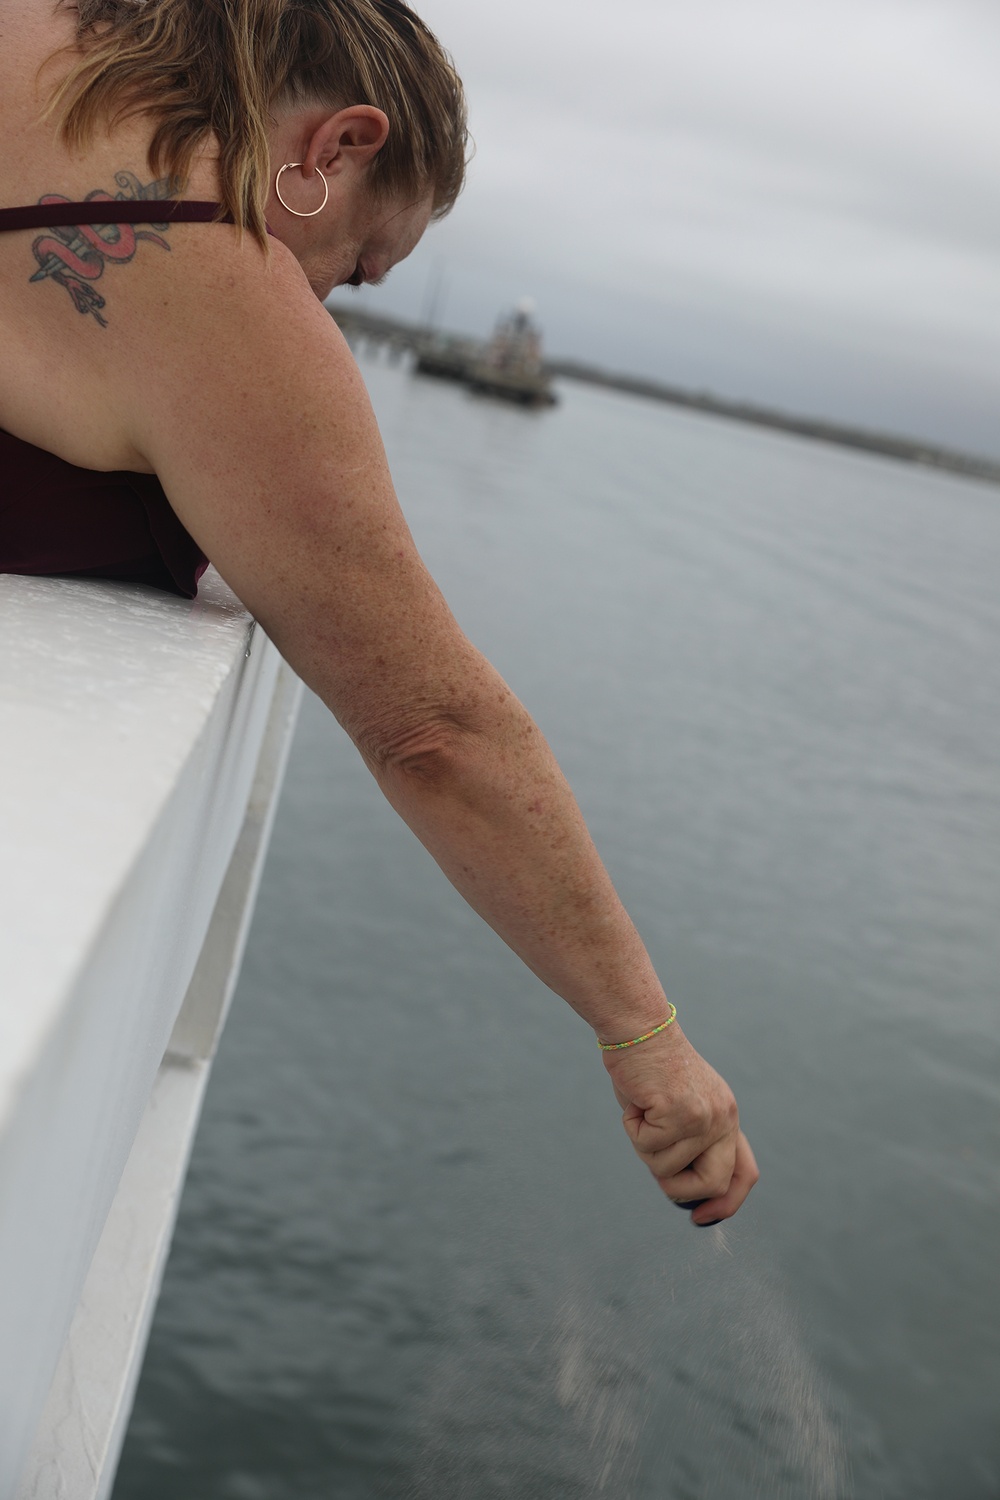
(788, 200)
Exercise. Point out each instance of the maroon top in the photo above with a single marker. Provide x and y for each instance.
(56, 518)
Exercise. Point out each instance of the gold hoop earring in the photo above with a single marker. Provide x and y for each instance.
(313, 212)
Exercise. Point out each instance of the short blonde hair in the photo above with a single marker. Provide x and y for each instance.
(203, 68)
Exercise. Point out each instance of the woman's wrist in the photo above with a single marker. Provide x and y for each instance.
(643, 1036)
(614, 1022)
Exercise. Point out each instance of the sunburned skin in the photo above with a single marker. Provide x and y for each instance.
(74, 256)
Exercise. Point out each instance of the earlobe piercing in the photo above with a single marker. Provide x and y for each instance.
(312, 212)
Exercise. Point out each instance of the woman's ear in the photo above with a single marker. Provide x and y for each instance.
(353, 135)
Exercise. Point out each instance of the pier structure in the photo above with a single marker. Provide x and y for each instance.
(365, 330)
(372, 333)
(508, 366)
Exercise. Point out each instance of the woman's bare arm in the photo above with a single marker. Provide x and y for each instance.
(260, 429)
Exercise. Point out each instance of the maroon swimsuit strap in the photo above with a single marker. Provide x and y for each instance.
(110, 211)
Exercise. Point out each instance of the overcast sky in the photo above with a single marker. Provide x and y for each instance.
(790, 201)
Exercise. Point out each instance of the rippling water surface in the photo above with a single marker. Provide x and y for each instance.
(416, 1257)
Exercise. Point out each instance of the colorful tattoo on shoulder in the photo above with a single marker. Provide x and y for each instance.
(74, 255)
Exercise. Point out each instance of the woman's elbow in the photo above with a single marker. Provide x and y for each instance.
(428, 753)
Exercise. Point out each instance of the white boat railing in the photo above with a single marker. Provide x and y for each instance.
(143, 739)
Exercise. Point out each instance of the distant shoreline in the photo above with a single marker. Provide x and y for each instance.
(401, 334)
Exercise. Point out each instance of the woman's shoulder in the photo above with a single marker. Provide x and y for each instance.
(231, 321)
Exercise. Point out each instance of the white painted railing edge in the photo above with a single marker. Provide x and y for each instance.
(149, 718)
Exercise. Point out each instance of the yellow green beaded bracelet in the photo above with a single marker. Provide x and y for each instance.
(617, 1046)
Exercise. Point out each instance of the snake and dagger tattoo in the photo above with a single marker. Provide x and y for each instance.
(74, 255)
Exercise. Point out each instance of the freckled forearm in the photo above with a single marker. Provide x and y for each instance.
(495, 811)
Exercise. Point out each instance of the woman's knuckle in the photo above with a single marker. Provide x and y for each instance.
(692, 1117)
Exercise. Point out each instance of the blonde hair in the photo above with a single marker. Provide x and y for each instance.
(204, 68)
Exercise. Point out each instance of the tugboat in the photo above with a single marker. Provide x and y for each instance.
(511, 365)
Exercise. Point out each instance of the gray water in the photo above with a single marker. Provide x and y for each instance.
(416, 1257)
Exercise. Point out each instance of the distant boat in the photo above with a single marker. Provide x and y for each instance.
(509, 366)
